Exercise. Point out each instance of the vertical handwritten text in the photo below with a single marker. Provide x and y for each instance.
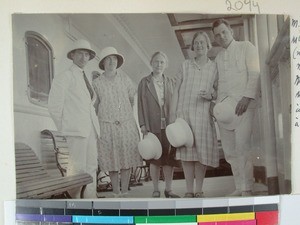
(295, 41)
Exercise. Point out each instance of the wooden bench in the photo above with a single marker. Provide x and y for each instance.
(33, 181)
(55, 156)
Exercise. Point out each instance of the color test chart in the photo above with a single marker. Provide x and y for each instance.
(210, 211)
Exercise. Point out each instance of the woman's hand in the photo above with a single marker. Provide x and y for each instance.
(144, 130)
(205, 94)
(214, 94)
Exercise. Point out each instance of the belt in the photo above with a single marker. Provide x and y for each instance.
(116, 122)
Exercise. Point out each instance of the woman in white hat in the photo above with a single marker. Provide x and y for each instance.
(118, 150)
(191, 101)
(154, 97)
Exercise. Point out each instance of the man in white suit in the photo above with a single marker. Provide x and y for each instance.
(71, 106)
(238, 69)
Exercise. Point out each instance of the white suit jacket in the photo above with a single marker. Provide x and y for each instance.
(70, 104)
(238, 68)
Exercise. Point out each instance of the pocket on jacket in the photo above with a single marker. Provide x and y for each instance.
(240, 65)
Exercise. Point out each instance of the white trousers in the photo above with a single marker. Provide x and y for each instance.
(83, 158)
(237, 151)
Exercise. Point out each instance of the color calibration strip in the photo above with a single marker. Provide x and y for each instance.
(182, 212)
(259, 218)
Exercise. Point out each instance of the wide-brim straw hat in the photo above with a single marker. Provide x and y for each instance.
(180, 134)
(107, 52)
(224, 112)
(81, 44)
(150, 147)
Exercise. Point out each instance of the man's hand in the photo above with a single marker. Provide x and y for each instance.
(242, 106)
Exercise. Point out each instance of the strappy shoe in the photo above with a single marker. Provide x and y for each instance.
(99, 195)
(247, 193)
(170, 194)
(115, 195)
(189, 195)
(199, 195)
(156, 194)
(235, 193)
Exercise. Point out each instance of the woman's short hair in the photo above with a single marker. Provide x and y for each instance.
(162, 54)
(218, 22)
(204, 34)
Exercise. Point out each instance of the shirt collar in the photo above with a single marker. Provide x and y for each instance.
(74, 67)
(151, 76)
(231, 45)
(193, 62)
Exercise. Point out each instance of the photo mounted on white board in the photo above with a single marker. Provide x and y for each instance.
(151, 105)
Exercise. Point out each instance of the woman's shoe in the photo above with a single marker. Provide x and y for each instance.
(156, 194)
(114, 195)
(99, 196)
(199, 195)
(124, 195)
(189, 195)
(235, 193)
(170, 194)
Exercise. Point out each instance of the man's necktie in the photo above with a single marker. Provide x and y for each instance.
(89, 87)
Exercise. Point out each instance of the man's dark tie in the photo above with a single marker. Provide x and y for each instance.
(89, 87)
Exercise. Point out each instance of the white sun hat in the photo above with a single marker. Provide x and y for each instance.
(107, 52)
(224, 112)
(150, 147)
(81, 44)
(180, 134)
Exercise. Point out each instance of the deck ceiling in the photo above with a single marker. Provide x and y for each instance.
(138, 36)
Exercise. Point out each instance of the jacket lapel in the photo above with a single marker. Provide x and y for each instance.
(168, 91)
(151, 88)
(78, 73)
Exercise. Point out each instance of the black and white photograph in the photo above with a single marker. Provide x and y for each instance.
(152, 105)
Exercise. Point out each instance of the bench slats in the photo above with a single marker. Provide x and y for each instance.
(30, 172)
(20, 145)
(26, 165)
(48, 144)
(27, 161)
(26, 177)
(53, 183)
(46, 191)
(24, 153)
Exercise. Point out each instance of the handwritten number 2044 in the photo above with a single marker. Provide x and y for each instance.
(239, 5)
